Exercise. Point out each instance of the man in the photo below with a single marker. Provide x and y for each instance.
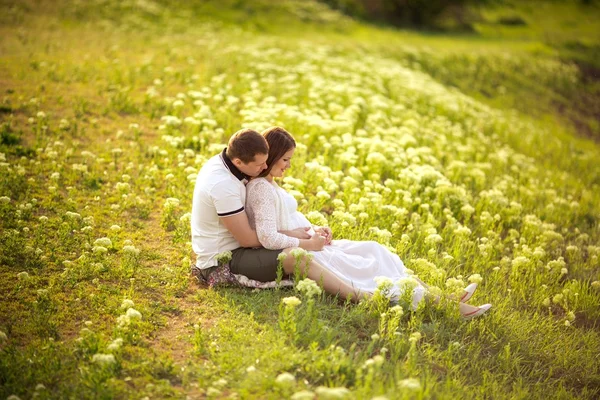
(219, 221)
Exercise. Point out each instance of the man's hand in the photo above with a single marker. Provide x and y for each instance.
(325, 231)
(300, 233)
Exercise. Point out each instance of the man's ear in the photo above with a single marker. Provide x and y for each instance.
(237, 162)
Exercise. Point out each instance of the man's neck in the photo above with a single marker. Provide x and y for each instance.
(232, 168)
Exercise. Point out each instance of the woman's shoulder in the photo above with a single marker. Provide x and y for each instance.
(258, 183)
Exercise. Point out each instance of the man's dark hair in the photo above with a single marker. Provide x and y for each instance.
(245, 144)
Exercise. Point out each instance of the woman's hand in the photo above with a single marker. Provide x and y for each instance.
(325, 231)
(300, 233)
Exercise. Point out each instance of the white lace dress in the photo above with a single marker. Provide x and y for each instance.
(271, 209)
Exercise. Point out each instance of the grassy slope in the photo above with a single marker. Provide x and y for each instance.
(95, 74)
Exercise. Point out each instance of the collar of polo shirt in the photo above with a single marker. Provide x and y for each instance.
(232, 168)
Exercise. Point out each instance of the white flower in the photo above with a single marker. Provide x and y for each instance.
(3, 337)
(72, 215)
(104, 359)
(433, 239)
(127, 304)
(410, 384)
(475, 278)
(383, 283)
(414, 337)
(115, 344)
(303, 395)
(251, 369)
(298, 252)
(132, 313)
(308, 287)
(23, 275)
(103, 241)
(99, 249)
(115, 228)
(131, 250)
(335, 393)
(291, 301)
(4, 199)
(285, 379)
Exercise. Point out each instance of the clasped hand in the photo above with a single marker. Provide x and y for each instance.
(302, 233)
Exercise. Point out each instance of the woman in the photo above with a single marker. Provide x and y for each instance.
(357, 264)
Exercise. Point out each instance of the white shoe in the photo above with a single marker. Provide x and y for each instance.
(469, 291)
(479, 311)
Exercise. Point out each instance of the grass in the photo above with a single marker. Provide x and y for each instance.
(109, 109)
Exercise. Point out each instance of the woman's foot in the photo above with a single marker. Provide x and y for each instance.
(469, 291)
(468, 311)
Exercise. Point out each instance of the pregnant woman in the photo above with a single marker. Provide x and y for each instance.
(356, 264)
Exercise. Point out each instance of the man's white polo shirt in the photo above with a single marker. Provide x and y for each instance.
(218, 193)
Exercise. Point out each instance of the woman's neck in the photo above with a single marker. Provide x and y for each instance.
(269, 178)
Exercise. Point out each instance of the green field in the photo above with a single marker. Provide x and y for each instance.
(472, 156)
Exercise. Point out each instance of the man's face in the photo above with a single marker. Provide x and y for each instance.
(253, 168)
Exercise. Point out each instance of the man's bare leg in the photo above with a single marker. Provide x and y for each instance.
(331, 283)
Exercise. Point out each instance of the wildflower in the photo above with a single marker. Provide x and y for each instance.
(115, 344)
(335, 393)
(281, 257)
(291, 301)
(3, 337)
(99, 249)
(213, 392)
(596, 285)
(23, 276)
(285, 379)
(171, 202)
(323, 195)
(410, 384)
(132, 313)
(115, 228)
(303, 395)
(407, 284)
(131, 250)
(127, 304)
(520, 262)
(414, 337)
(558, 298)
(72, 215)
(564, 271)
(251, 369)
(383, 283)
(546, 302)
(375, 337)
(308, 287)
(298, 252)
(567, 323)
(4, 199)
(104, 359)
(475, 278)
(103, 241)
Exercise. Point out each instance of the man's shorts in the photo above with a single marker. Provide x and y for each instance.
(257, 264)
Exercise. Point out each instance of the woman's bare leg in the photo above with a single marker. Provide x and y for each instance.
(331, 282)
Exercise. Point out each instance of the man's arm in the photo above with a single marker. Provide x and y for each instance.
(239, 227)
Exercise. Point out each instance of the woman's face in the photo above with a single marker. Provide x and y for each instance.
(282, 164)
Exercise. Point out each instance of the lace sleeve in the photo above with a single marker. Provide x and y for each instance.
(261, 199)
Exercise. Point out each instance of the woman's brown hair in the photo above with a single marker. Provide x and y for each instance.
(280, 142)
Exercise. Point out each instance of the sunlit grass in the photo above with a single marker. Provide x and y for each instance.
(107, 118)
